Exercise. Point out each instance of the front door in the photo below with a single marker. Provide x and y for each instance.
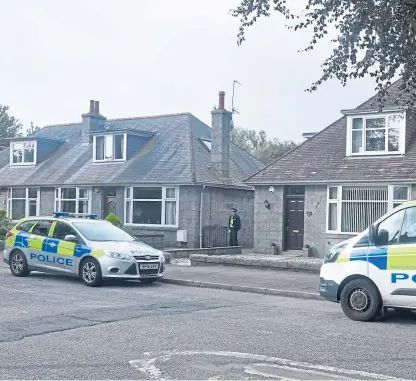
(294, 223)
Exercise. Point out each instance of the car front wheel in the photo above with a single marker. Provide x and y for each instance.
(90, 272)
(18, 264)
(360, 300)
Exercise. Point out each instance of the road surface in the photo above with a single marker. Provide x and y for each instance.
(56, 328)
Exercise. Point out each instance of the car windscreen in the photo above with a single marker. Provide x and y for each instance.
(102, 231)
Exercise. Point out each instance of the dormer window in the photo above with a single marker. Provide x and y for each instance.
(23, 153)
(376, 134)
(109, 148)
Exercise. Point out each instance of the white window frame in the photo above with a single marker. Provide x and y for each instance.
(27, 201)
(128, 197)
(95, 160)
(402, 134)
(35, 153)
(338, 202)
(59, 200)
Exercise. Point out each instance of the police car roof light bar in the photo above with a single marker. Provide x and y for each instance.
(66, 214)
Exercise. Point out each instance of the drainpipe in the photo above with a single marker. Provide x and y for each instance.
(200, 217)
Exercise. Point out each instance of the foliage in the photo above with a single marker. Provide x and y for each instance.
(113, 219)
(32, 129)
(259, 145)
(376, 38)
(9, 126)
(5, 224)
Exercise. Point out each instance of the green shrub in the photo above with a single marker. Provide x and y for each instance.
(5, 224)
(113, 219)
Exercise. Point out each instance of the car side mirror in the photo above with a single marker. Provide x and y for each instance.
(372, 235)
(71, 238)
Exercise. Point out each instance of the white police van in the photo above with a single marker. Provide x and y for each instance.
(80, 245)
(376, 269)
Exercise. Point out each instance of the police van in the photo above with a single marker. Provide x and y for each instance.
(80, 245)
(376, 269)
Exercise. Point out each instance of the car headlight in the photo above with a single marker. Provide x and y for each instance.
(333, 254)
(115, 255)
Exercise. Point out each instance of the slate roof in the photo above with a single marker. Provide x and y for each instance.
(174, 154)
(322, 158)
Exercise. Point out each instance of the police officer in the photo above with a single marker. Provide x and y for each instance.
(234, 225)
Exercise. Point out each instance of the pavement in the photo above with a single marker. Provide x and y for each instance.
(261, 281)
(53, 327)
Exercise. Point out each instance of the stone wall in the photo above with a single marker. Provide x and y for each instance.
(217, 204)
(268, 223)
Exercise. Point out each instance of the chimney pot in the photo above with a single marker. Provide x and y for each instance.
(221, 100)
(92, 106)
(97, 107)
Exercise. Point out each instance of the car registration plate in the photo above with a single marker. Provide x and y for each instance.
(149, 266)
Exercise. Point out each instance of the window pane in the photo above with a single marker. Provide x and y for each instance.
(408, 232)
(32, 208)
(365, 193)
(333, 193)
(400, 193)
(42, 228)
(18, 209)
(25, 226)
(389, 229)
(29, 152)
(396, 204)
(69, 194)
(82, 206)
(118, 146)
(393, 140)
(375, 140)
(128, 192)
(332, 216)
(83, 193)
(395, 121)
(147, 193)
(17, 152)
(372, 123)
(357, 216)
(108, 153)
(62, 230)
(170, 213)
(33, 193)
(357, 124)
(18, 192)
(99, 148)
(68, 206)
(128, 219)
(170, 193)
(147, 212)
(357, 141)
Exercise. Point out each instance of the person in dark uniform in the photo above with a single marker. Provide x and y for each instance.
(234, 225)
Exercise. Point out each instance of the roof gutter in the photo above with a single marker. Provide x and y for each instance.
(324, 182)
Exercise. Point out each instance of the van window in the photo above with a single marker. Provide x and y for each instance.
(389, 229)
(408, 233)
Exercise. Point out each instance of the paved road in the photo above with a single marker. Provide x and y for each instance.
(56, 328)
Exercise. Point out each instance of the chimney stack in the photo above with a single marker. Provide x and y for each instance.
(92, 122)
(220, 138)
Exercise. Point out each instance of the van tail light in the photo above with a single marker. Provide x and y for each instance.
(9, 234)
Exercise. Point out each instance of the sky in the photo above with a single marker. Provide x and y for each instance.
(151, 57)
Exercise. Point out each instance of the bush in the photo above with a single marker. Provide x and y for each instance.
(5, 224)
(113, 219)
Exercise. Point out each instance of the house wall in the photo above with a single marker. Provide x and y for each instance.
(217, 204)
(268, 223)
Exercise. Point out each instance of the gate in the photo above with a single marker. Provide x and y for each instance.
(214, 236)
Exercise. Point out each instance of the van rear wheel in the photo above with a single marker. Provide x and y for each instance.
(360, 300)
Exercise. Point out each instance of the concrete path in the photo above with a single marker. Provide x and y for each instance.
(263, 281)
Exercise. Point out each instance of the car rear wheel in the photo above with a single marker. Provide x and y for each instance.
(90, 272)
(360, 300)
(148, 280)
(18, 264)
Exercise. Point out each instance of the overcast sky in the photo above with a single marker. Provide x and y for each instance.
(147, 57)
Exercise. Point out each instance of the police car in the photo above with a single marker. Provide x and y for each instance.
(376, 269)
(80, 245)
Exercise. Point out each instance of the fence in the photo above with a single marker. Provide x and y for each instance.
(214, 236)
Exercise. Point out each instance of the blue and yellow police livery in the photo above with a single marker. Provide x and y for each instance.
(80, 245)
(376, 269)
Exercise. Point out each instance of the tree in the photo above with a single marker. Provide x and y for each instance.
(259, 145)
(32, 129)
(376, 38)
(10, 127)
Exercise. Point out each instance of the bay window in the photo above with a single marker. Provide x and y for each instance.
(23, 153)
(22, 202)
(152, 206)
(109, 147)
(351, 209)
(73, 200)
(376, 134)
